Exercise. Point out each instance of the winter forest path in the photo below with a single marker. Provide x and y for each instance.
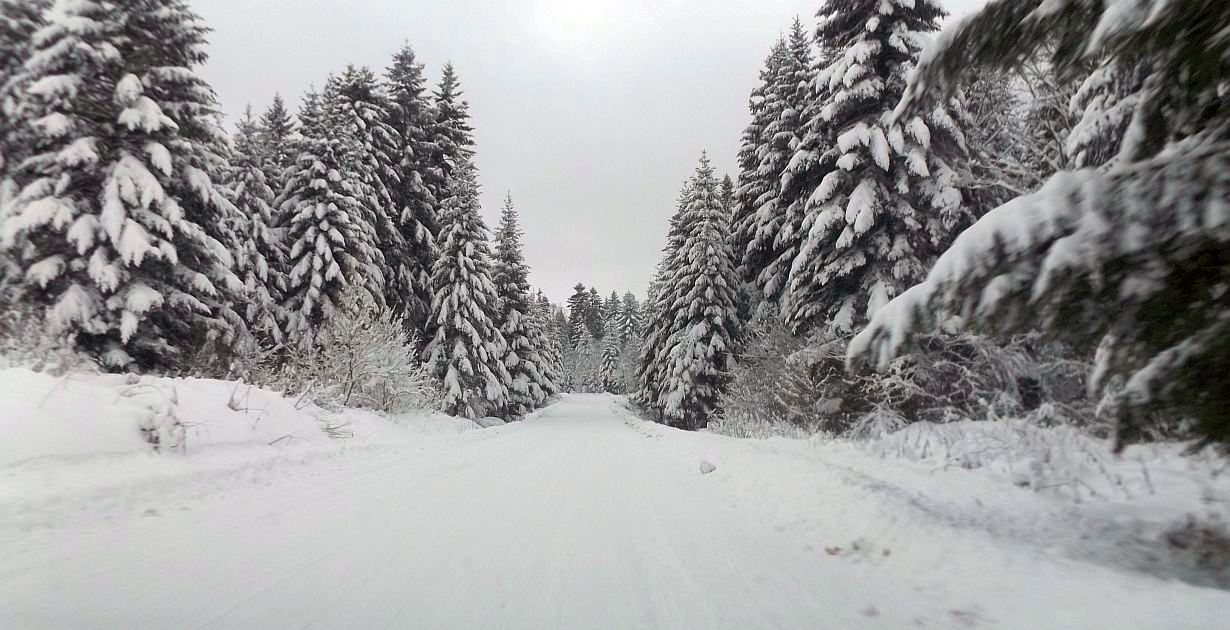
(574, 519)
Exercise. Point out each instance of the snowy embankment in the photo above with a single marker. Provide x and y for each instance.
(86, 433)
(969, 499)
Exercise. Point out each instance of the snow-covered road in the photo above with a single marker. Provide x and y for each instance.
(574, 519)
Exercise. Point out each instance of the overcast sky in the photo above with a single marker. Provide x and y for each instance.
(591, 112)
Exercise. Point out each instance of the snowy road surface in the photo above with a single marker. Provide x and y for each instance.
(575, 519)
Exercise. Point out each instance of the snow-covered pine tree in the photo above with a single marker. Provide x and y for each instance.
(595, 314)
(1103, 107)
(578, 311)
(373, 156)
(629, 319)
(705, 325)
(19, 21)
(411, 115)
(1131, 258)
(329, 242)
(277, 140)
(609, 371)
(467, 353)
(260, 259)
(753, 184)
(452, 138)
(888, 199)
(659, 316)
(544, 337)
(776, 234)
(530, 385)
(611, 314)
(120, 228)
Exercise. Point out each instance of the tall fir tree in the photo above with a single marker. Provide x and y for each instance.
(530, 384)
(19, 21)
(451, 137)
(259, 259)
(578, 313)
(595, 314)
(121, 228)
(886, 199)
(467, 352)
(700, 322)
(629, 318)
(753, 183)
(277, 142)
(659, 308)
(774, 233)
(412, 117)
(372, 155)
(330, 243)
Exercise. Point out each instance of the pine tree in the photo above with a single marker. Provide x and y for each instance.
(412, 117)
(887, 199)
(260, 259)
(753, 184)
(120, 228)
(19, 21)
(701, 321)
(530, 384)
(609, 373)
(1131, 258)
(595, 314)
(277, 142)
(629, 318)
(452, 138)
(372, 156)
(330, 243)
(578, 312)
(467, 353)
(776, 233)
(659, 309)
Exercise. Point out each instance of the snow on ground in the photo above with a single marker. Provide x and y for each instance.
(581, 516)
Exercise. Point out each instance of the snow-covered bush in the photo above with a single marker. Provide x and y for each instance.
(362, 358)
(802, 386)
(769, 394)
(26, 341)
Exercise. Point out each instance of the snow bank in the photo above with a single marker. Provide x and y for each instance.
(982, 494)
(78, 415)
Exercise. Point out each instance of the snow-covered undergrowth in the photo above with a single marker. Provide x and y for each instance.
(1047, 491)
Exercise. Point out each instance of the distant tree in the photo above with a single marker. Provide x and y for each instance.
(277, 142)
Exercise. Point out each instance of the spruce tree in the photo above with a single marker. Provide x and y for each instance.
(259, 259)
(777, 229)
(578, 313)
(887, 198)
(753, 183)
(330, 243)
(452, 138)
(1130, 258)
(703, 322)
(530, 384)
(277, 141)
(121, 228)
(19, 20)
(412, 117)
(467, 352)
(659, 316)
(372, 156)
